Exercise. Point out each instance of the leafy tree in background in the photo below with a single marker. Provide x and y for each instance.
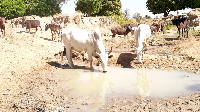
(62, 1)
(12, 8)
(159, 6)
(110, 8)
(165, 6)
(127, 13)
(89, 7)
(16, 8)
(192, 3)
(99, 7)
(147, 17)
(42, 7)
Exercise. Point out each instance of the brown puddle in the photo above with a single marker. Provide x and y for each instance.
(94, 88)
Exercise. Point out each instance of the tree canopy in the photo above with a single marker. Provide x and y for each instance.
(99, 7)
(89, 7)
(110, 8)
(17, 8)
(165, 6)
(12, 8)
(43, 8)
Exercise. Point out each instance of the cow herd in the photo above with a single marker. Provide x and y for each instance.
(91, 42)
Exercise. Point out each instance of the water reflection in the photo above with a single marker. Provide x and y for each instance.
(142, 86)
(127, 82)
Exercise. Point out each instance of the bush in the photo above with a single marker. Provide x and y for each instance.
(167, 27)
(121, 20)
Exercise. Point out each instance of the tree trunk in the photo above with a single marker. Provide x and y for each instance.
(89, 12)
(165, 14)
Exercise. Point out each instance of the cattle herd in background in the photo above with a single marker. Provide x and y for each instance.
(141, 33)
(60, 21)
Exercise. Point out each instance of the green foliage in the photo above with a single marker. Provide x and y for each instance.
(165, 6)
(127, 13)
(110, 8)
(99, 7)
(17, 8)
(89, 7)
(168, 26)
(12, 8)
(159, 6)
(137, 16)
(62, 1)
(121, 20)
(43, 8)
(147, 17)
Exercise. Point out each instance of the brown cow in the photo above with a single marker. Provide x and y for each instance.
(54, 28)
(155, 27)
(15, 22)
(2, 26)
(32, 24)
(121, 31)
(131, 26)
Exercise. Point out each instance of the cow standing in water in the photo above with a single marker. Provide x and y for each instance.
(142, 32)
(81, 40)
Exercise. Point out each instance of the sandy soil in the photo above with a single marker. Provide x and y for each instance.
(29, 60)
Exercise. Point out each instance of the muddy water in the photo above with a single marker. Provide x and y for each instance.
(91, 89)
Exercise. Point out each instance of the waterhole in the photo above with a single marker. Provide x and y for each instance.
(88, 86)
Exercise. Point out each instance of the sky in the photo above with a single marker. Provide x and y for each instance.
(134, 6)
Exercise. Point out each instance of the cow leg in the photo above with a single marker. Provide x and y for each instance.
(40, 28)
(113, 35)
(69, 56)
(182, 31)
(54, 35)
(90, 58)
(179, 32)
(51, 35)
(58, 34)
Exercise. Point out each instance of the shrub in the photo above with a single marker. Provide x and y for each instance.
(121, 20)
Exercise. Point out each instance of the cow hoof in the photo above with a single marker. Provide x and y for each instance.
(104, 71)
(138, 62)
(71, 66)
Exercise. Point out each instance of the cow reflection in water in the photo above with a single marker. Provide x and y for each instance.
(93, 85)
(142, 86)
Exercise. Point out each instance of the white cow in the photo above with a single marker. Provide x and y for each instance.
(81, 40)
(142, 32)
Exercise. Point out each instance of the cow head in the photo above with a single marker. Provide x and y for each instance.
(103, 58)
(46, 27)
(101, 51)
(128, 29)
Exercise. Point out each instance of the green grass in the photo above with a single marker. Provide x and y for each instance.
(168, 27)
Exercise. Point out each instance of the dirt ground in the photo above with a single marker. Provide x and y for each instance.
(29, 60)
